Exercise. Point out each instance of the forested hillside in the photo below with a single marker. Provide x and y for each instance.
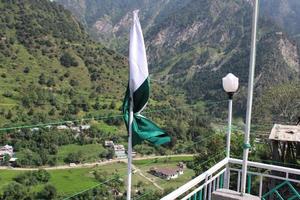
(49, 67)
(63, 80)
(192, 44)
(53, 74)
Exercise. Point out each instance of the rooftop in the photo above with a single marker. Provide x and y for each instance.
(166, 171)
(285, 133)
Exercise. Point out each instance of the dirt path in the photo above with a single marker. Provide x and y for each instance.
(139, 171)
(93, 164)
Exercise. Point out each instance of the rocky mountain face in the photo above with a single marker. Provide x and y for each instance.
(192, 44)
(286, 13)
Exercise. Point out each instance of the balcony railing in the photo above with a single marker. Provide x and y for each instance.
(227, 174)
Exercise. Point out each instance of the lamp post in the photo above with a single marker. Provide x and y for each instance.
(230, 86)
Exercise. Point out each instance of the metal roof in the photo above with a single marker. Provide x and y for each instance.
(287, 133)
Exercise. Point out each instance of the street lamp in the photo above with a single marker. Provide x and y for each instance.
(230, 85)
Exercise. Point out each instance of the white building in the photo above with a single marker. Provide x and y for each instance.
(167, 173)
(108, 143)
(75, 128)
(85, 127)
(62, 127)
(6, 150)
(119, 150)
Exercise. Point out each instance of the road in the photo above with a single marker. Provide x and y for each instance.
(93, 164)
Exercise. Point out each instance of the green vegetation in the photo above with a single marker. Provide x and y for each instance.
(87, 153)
(51, 71)
(169, 160)
(41, 61)
(65, 182)
(146, 165)
(279, 103)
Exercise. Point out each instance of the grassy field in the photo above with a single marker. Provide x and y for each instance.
(67, 181)
(90, 152)
(164, 160)
(71, 181)
(175, 183)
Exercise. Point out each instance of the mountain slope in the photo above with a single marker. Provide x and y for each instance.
(50, 68)
(286, 13)
(192, 44)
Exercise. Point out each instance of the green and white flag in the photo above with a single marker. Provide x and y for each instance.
(139, 89)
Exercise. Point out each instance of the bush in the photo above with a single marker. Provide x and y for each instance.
(68, 61)
(26, 70)
(33, 177)
(48, 192)
(74, 157)
(42, 176)
(14, 191)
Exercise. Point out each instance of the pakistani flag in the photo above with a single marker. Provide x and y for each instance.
(138, 89)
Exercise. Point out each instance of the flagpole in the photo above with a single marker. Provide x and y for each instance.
(246, 144)
(129, 152)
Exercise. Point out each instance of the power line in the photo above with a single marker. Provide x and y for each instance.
(96, 118)
(102, 183)
(150, 161)
(201, 164)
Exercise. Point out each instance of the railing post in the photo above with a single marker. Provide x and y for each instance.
(249, 184)
(200, 194)
(239, 182)
(214, 185)
(205, 188)
(260, 185)
(222, 180)
(209, 189)
(227, 177)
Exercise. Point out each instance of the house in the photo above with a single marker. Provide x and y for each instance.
(285, 141)
(85, 127)
(108, 143)
(166, 173)
(13, 162)
(75, 128)
(119, 151)
(133, 153)
(62, 127)
(6, 150)
(72, 165)
(181, 165)
(34, 129)
(287, 133)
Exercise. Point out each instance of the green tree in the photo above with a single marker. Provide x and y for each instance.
(42, 79)
(74, 157)
(49, 192)
(42, 176)
(15, 191)
(67, 60)
(279, 103)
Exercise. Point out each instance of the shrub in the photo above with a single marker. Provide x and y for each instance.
(68, 61)
(26, 70)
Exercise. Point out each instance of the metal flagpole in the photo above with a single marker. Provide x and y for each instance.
(246, 144)
(129, 152)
